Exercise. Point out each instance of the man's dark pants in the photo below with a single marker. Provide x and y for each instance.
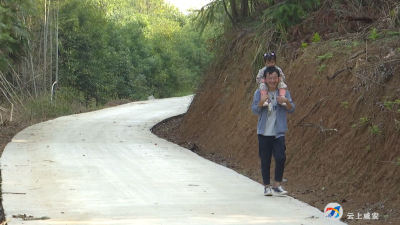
(268, 146)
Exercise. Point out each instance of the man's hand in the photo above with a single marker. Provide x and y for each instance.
(262, 100)
(282, 99)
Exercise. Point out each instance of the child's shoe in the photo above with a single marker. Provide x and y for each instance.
(282, 85)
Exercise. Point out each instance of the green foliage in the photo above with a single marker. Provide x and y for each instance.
(123, 10)
(286, 15)
(213, 13)
(82, 50)
(276, 20)
(375, 130)
(321, 68)
(392, 13)
(337, 43)
(368, 147)
(129, 53)
(13, 32)
(304, 45)
(398, 161)
(354, 125)
(373, 34)
(344, 104)
(385, 217)
(390, 104)
(67, 101)
(316, 38)
(395, 16)
(324, 57)
(364, 121)
(346, 43)
(393, 33)
(291, 13)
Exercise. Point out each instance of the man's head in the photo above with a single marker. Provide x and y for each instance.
(270, 59)
(271, 75)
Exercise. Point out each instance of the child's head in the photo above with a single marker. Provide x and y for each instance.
(270, 59)
(271, 76)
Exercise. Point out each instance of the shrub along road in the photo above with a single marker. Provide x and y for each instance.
(106, 167)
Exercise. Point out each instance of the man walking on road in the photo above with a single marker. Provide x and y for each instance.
(271, 129)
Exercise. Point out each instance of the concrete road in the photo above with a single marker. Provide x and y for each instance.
(106, 167)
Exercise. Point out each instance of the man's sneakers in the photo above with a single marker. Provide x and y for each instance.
(269, 191)
(279, 191)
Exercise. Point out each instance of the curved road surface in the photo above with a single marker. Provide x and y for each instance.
(106, 167)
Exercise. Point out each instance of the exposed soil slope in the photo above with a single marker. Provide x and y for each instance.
(357, 165)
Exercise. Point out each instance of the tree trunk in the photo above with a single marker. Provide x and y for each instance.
(31, 65)
(244, 9)
(234, 11)
(33, 73)
(45, 44)
(58, 9)
(148, 5)
(51, 51)
(229, 15)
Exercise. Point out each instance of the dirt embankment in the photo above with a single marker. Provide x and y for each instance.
(357, 165)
